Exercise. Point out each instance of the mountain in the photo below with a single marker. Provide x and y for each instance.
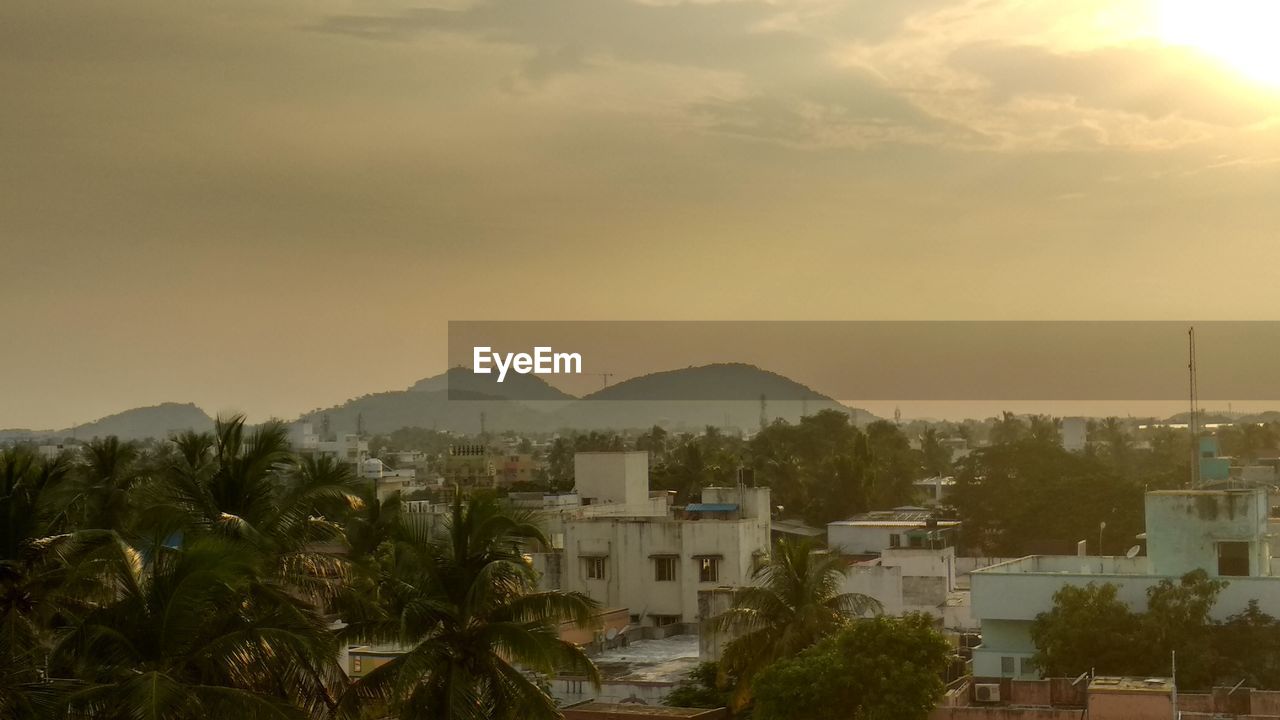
(385, 412)
(715, 382)
(722, 394)
(725, 395)
(157, 421)
(514, 387)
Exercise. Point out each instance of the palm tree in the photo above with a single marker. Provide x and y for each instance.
(467, 608)
(190, 634)
(32, 573)
(100, 487)
(249, 487)
(795, 602)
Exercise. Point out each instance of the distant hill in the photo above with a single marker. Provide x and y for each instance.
(514, 386)
(725, 395)
(715, 382)
(722, 394)
(157, 421)
(385, 412)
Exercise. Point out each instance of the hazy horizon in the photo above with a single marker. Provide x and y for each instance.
(275, 207)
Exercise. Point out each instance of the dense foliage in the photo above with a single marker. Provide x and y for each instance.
(873, 669)
(796, 601)
(1176, 620)
(215, 575)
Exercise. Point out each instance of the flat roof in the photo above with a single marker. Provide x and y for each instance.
(1131, 684)
(636, 709)
(711, 507)
(893, 523)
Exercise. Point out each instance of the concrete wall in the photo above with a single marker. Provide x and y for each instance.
(568, 690)
(612, 477)
(752, 501)
(630, 544)
(1184, 528)
(882, 583)
(862, 539)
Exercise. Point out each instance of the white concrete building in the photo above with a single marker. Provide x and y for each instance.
(347, 448)
(619, 551)
(906, 527)
(1224, 532)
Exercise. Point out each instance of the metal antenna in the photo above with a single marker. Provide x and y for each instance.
(1194, 390)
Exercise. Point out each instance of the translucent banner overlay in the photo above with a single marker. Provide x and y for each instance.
(863, 360)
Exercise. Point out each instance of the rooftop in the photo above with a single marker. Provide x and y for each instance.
(660, 660)
(1071, 565)
(907, 515)
(1129, 684)
(637, 710)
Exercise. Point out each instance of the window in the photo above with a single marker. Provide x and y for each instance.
(708, 570)
(665, 620)
(595, 568)
(1233, 559)
(895, 540)
(1006, 666)
(664, 569)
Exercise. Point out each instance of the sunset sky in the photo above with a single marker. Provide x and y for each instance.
(274, 206)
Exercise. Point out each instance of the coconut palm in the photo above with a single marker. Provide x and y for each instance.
(99, 490)
(466, 607)
(247, 486)
(191, 634)
(795, 602)
(31, 576)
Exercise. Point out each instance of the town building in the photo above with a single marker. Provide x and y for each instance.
(907, 527)
(627, 547)
(1225, 532)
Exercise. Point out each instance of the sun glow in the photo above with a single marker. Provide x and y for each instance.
(1240, 33)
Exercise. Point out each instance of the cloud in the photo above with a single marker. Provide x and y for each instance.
(1151, 81)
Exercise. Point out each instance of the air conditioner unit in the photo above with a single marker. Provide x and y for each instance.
(987, 692)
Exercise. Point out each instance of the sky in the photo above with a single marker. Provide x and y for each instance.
(275, 206)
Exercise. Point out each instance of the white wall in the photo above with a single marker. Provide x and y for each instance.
(629, 545)
(612, 477)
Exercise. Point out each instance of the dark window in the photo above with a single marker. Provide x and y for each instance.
(708, 570)
(895, 540)
(1006, 666)
(664, 569)
(595, 568)
(665, 620)
(1233, 559)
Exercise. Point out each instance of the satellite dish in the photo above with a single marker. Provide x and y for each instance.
(1133, 552)
(611, 633)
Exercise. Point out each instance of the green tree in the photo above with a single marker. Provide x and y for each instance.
(795, 601)
(874, 669)
(700, 689)
(467, 608)
(1248, 648)
(935, 456)
(32, 577)
(190, 634)
(247, 485)
(1177, 620)
(1087, 629)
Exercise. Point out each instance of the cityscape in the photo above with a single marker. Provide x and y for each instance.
(639, 359)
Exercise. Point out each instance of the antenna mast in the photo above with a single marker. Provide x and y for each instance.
(1193, 421)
